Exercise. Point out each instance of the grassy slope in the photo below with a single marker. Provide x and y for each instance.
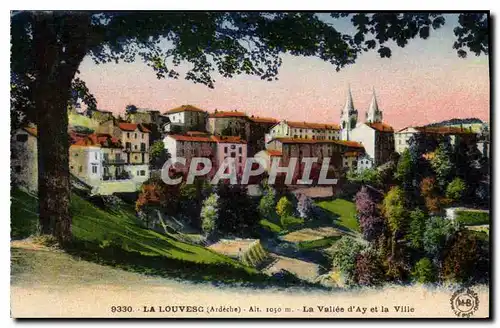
(94, 226)
(345, 210)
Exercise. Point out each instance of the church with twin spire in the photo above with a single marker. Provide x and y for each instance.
(376, 136)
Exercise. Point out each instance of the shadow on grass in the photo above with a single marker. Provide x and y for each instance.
(324, 217)
(217, 274)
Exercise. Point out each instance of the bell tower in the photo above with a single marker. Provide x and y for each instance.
(348, 117)
(374, 114)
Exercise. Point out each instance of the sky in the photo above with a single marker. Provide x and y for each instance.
(422, 83)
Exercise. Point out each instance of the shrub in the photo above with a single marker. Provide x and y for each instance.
(394, 209)
(456, 189)
(470, 218)
(210, 214)
(344, 255)
(284, 208)
(418, 222)
(370, 221)
(424, 271)
(467, 258)
(368, 271)
(267, 203)
(437, 233)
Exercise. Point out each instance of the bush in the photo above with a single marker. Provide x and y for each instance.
(470, 218)
(344, 255)
(467, 258)
(304, 206)
(424, 271)
(456, 190)
(284, 208)
(418, 223)
(288, 222)
(267, 203)
(210, 214)
(368, 270)
(437, 233)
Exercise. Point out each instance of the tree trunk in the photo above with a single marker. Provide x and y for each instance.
(56, 64)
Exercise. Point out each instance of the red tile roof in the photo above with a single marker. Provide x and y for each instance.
(349, 143)
(180, 137)
(257, 119)
(382, 127)
(302, 141)
(132, 127)
(221, 114)
(273, 152)
(197, 133)
(184, 108)
(308, 125)
(229, 139)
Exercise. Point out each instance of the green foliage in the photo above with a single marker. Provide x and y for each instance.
(284, 208)
(405, 169)
(290, 222)
(158, 155)
(442, 164)
(456, 189)
(471, 218)
(273, 227)
(209, 214)
(424, 271)
(367, 176)
(267, 203)
(318, 243)
(437, 233)
(344, 211)
(467, 257)
(368, 271)
(394, 209)
(344, 254)
(418, 223)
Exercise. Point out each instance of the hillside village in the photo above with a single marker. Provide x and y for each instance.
(112, 154)
(282, 231)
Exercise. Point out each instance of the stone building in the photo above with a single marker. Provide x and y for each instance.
(304, 130)
(451, 134)
(185, 118)
(24, 158)
(85, 159)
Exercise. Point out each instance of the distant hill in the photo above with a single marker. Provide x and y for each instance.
(457, 121)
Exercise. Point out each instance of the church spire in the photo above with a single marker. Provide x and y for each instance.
(374, 114)
(349, 104)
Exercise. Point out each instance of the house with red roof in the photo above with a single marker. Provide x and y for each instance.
(185, 118)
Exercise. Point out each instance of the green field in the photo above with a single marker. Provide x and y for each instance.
(117, 238)
(344, 211)
(318, 243)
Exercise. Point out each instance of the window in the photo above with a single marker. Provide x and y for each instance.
(22, 137)
(94, 169)
(128, 134)
(135, 157)
(137, 173)
(240, 150)
(76, 154)
(135, 147)
(135, 135)
(142, 135)
(225, 149)
(143, 173)
(95, 155)
(80, 169)
(240, 159)
(233, 155)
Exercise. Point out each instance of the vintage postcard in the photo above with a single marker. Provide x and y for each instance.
(227, 164)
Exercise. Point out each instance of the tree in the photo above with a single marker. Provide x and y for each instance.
(424, 271)
(394, 210)
(344, 255)
(267, 203)
(370, 220)
(238, 214)
(456, 189)
(442, 165)
(436, 235)
(432, 196)
(48, 47)
(284, 208)
(158, 155)
(367, 176)
(305, 206)
(210, 214)
(368, 271)
(130, 109)
(466, 257)
(418, 223)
